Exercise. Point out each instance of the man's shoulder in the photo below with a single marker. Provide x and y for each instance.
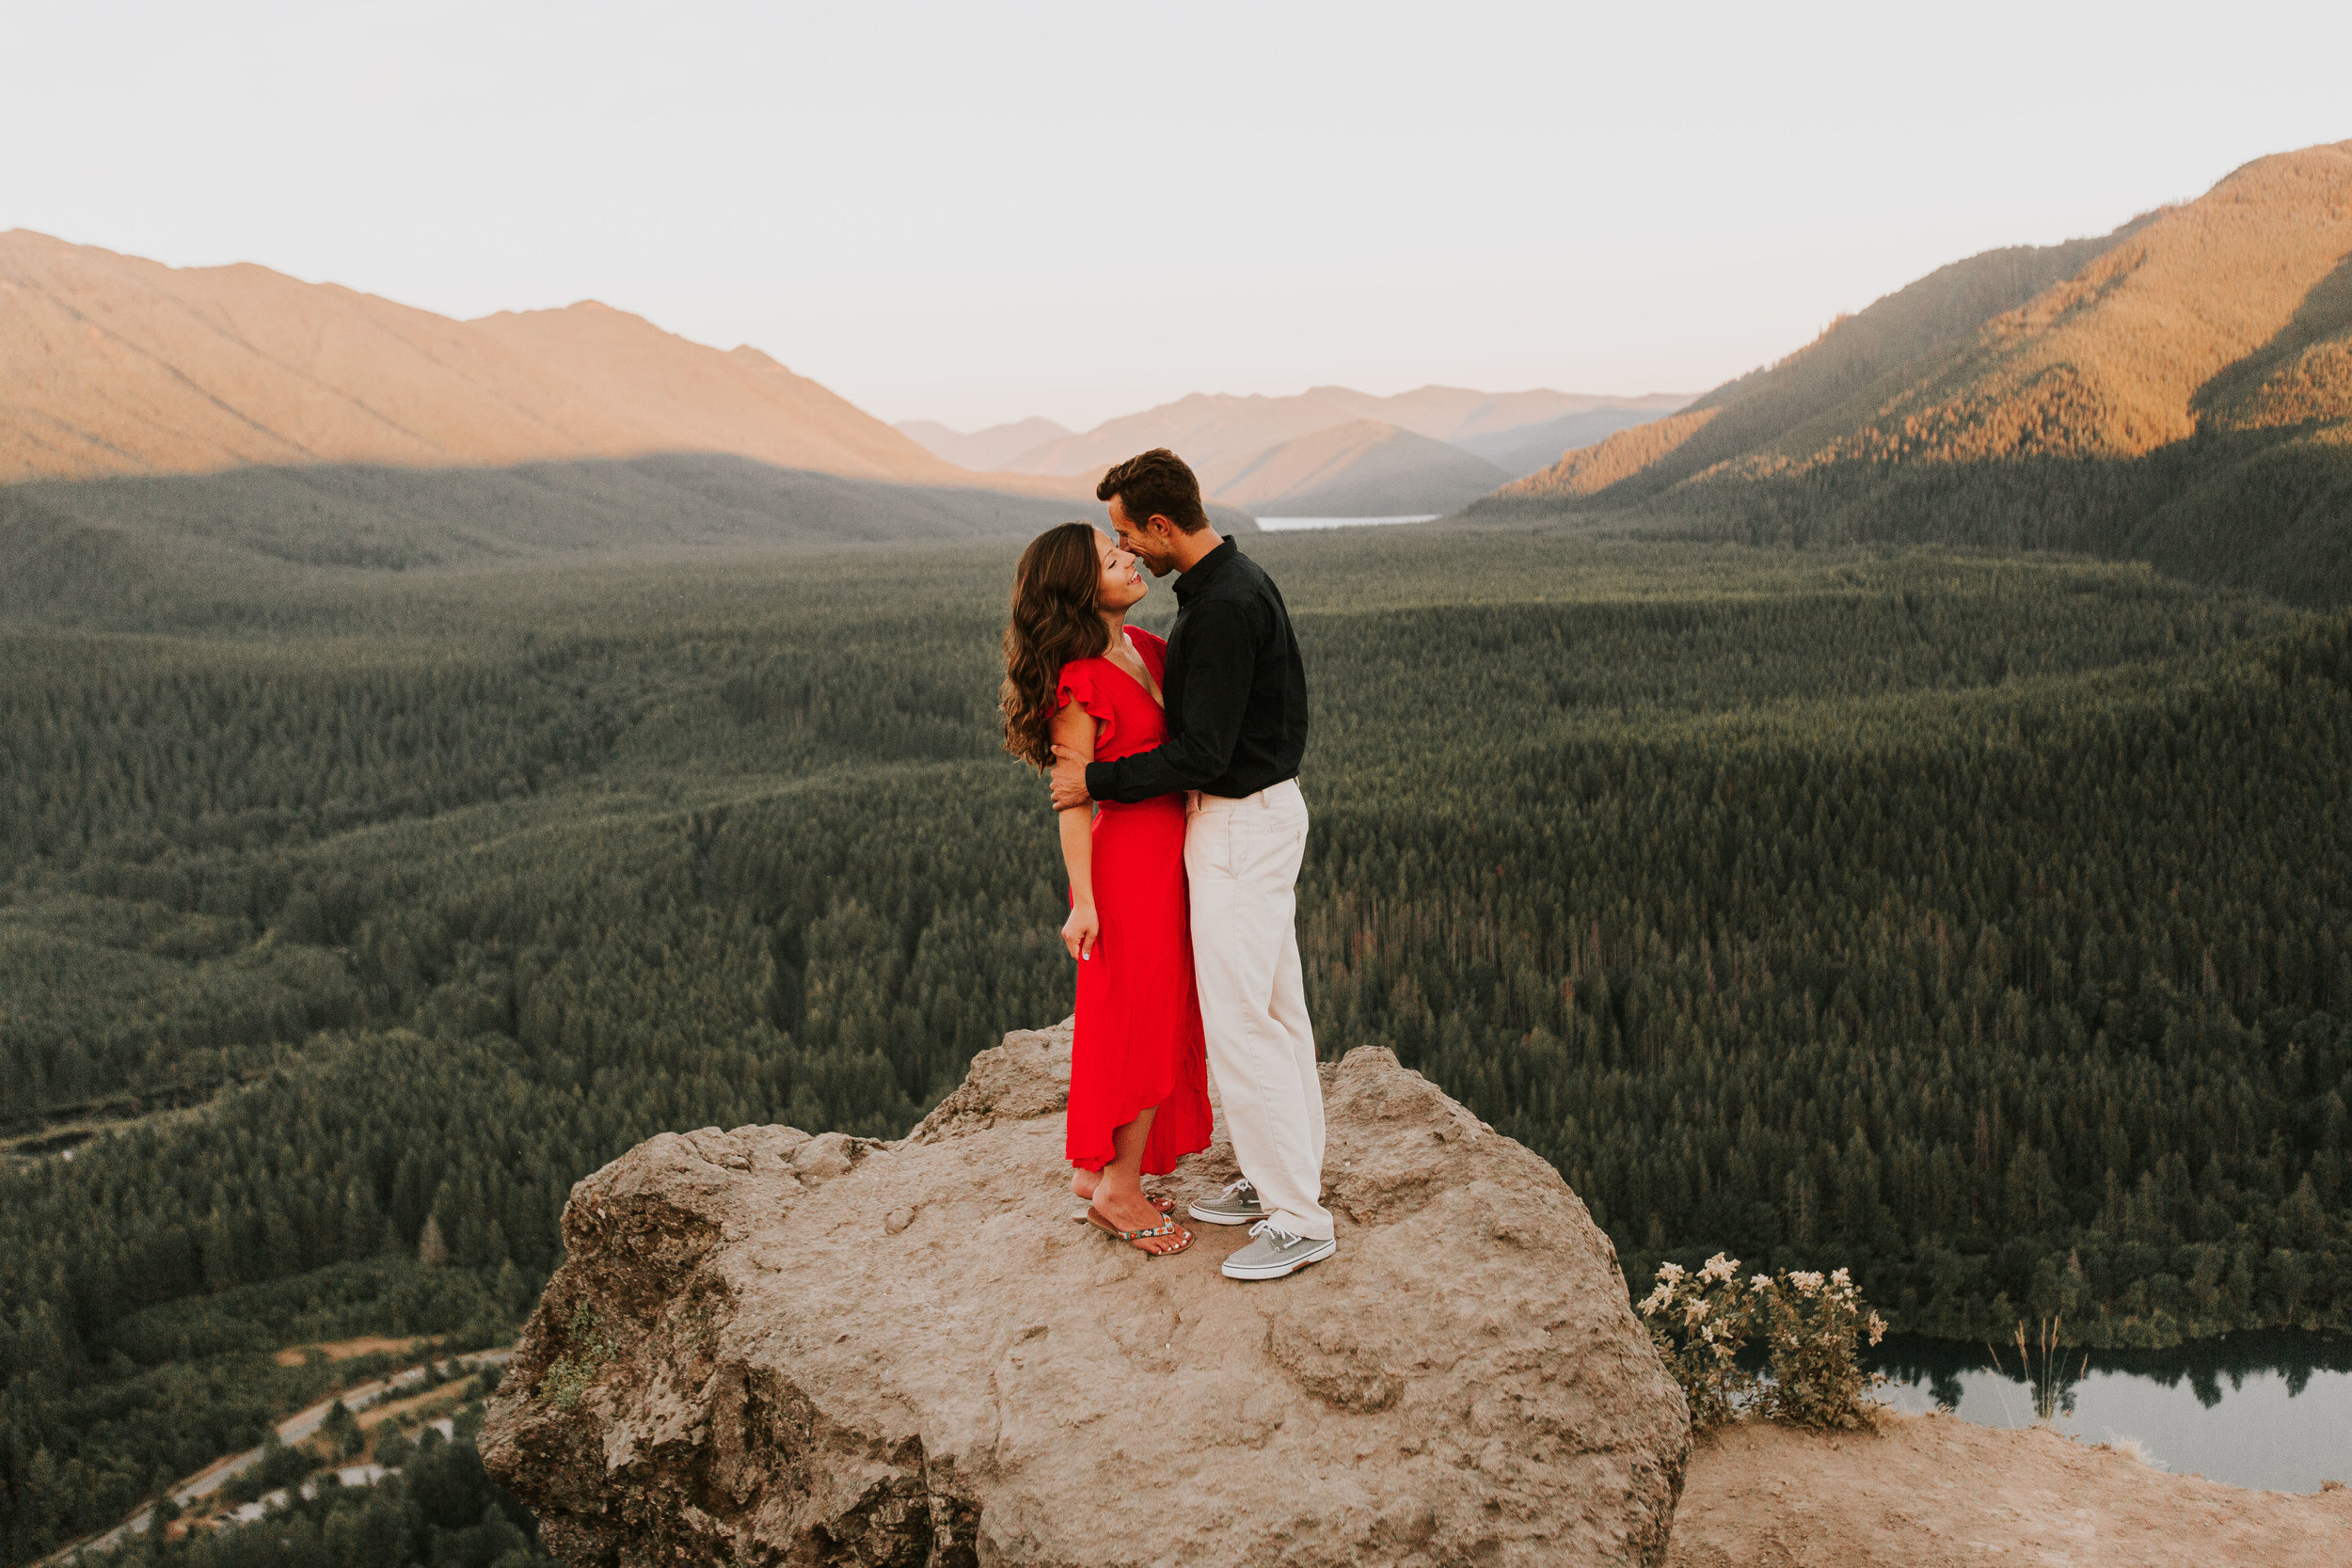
(1243, 579)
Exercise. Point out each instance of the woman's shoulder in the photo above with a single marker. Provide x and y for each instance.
(1083, 684)
(1078, 678)
(1148, 640)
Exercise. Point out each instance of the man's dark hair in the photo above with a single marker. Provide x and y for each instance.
(1156, 482)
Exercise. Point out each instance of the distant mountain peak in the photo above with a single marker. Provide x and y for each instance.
(983, 451)
(1361, 468)
(757, 359)
(1207, 428)
(205, 368)
(2179, 391)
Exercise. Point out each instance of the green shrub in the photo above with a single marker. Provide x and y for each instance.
(1700, 1321)
(589, 1353)
(1813, 1322)
(282, 1464)
(342, 1430)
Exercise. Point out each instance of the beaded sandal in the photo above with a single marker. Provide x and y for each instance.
(1135, 1238)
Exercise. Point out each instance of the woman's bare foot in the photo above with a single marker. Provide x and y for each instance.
(1132, 1210)
(1084, 1182)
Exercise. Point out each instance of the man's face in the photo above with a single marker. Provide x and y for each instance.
(1151, 541)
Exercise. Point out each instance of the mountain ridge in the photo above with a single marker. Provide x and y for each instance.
(1366, 468)
(1209, 427)
(114, 364)
(983, 450)
(1524, 449)
(2178, 392)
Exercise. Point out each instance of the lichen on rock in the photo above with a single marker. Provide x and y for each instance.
(840, 1350)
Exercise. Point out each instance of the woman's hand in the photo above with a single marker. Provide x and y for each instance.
(1081, 931)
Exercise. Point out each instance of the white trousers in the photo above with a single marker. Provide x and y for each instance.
(1241, 857)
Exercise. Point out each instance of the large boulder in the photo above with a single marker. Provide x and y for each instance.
(771, 1348)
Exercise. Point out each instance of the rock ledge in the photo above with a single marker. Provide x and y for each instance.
(772, 1349)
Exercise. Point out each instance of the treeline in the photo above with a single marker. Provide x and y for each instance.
(2268, 510)
(1981, 925)
(437, 1509)
(389, 518)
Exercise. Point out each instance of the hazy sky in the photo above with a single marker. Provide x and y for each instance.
(975, 211)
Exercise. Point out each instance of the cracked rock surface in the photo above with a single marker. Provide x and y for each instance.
(767, 1348)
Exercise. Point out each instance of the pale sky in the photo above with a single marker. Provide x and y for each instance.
(977, 212)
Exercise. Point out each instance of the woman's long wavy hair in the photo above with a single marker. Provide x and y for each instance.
(1054, 620)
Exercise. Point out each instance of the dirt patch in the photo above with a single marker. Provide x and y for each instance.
(1935, 1492)
(344, 1350)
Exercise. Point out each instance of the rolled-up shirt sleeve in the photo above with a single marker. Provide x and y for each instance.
(1220, 664)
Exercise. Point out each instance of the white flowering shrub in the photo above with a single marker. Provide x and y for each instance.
(1813, 1322)
(1701, 1320)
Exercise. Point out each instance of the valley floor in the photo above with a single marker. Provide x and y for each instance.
(1935, 1492)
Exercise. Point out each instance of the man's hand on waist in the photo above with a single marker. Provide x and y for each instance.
(1069, 779)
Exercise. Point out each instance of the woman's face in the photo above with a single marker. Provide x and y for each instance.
(1121, 584)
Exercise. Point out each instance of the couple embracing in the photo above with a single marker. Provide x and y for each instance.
(1175, 781)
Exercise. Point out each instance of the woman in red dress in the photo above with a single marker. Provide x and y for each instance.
(1077, 674)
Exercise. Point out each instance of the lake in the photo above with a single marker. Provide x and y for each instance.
(2264, 1410)
(1284, 525)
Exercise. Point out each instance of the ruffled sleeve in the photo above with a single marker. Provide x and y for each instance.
(1082, 684)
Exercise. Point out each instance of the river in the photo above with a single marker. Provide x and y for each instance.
(2266, 1410)
(1285, 525)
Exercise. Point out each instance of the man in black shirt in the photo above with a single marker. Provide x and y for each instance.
(1235, 692)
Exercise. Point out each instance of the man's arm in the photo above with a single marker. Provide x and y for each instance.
(1220, 661)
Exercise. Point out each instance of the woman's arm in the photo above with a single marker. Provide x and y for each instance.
(1073, 728)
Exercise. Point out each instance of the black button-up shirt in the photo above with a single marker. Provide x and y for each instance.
(1235, 686)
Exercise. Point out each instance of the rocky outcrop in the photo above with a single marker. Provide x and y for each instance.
(771, 1348)
(1935, 1492)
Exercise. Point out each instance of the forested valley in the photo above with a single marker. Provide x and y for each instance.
(1982, 923)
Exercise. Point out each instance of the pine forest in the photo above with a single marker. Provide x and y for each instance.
(1981, 921)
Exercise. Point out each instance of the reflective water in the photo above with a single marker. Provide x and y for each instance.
(2266, 1410)
(1282, 524)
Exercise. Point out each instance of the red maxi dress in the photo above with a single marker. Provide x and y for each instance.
(1138, 1041)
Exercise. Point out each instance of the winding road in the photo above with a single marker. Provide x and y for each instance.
(298, 1427)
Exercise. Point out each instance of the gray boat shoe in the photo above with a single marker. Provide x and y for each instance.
(1238, 1204)
(1276, 1252)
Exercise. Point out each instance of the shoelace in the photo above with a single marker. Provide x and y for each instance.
(1241, 1186)
(1275, 1233)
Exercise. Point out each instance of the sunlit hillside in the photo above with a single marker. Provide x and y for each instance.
(2180, 390)
(111, 364)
